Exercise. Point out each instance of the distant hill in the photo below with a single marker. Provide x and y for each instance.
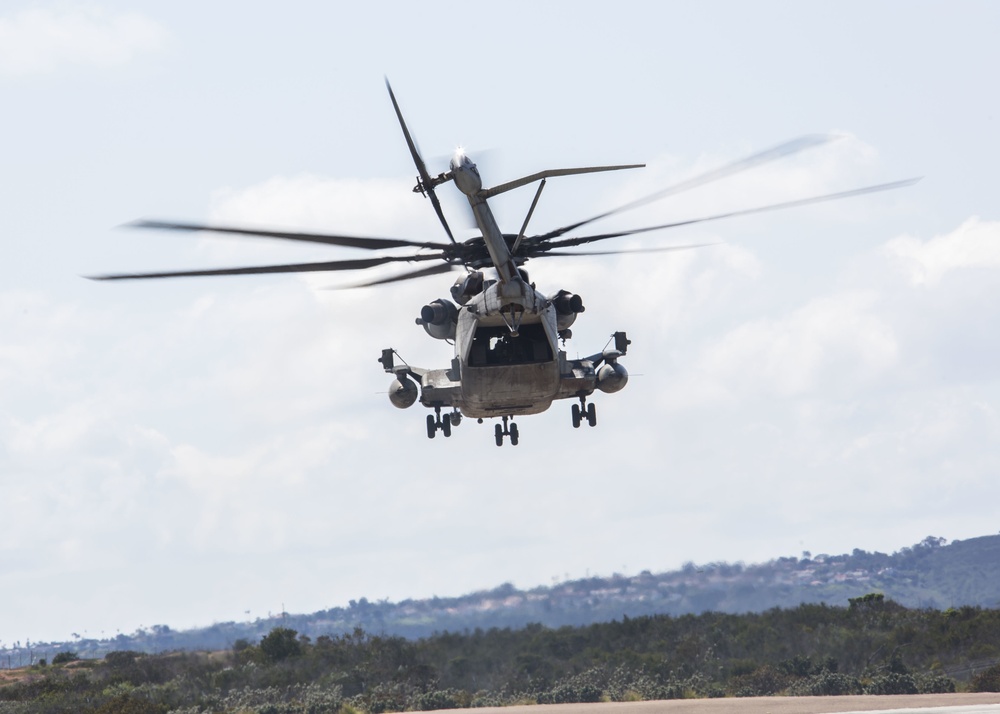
(931, 574)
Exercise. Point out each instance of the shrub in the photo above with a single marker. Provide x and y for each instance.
(762, 682)
(986, 681)
(442, 699)
(935, 684)
(280, 643)
(891, 683)
(826, 684)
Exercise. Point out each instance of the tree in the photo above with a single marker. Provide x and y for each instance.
(280, 644)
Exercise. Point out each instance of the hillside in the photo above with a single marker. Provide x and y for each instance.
(930, 574)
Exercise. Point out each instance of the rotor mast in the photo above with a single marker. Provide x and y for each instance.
(466, 177)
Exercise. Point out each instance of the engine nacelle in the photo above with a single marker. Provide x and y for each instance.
(567, 306)
(467, 288)
(611, 377)
(402, 392)
(439, 319)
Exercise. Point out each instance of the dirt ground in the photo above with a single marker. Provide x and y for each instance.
(761, 705)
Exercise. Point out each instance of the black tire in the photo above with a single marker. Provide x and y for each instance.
(431, 426)
(592, 414)
(498, 432)
(446, 425)
(513, 434)
(576, 416)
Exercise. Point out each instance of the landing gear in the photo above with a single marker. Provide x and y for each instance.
(583, 411)
(435, 422)
(500, 432)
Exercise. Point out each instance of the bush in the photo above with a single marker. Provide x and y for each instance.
(130, 705)
(297, 699)
(986, 681)
(571, 693)
(826, 684)
(280, 643)
(763, 682)
(935, 684)
(121, 658)
(442, 699)
(891, 683)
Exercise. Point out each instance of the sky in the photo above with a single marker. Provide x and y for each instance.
(193, 451)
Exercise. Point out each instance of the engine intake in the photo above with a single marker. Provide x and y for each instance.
(439, 319)
(567, 303)
(567, 307)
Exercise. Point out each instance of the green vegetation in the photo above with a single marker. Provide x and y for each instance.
(873, 646)
(929, 574)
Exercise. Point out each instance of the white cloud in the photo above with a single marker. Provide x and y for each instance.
(309, 202)
(974, 244)
(41, 40)
(821, 345)
(845, 162)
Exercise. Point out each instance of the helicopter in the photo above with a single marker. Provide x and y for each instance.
(509, 338)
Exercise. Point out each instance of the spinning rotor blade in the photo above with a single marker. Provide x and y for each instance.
(426, 182)
(549, 173)
(291, 268)
(327, 238)
(543, 248)
(433, 270)
(664, 249)
(782, 150)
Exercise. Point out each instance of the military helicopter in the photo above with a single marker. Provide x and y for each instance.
(508, 336)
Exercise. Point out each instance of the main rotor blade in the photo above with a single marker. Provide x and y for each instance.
(425, 177)
(263, 269)
(664, 249)
(327, 238)
(433, 270)
(542, 249)
(782, 150)
(549, 173)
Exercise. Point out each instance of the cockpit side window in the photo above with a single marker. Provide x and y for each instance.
(496, 346)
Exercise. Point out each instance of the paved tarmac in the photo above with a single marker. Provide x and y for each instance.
(979, 703)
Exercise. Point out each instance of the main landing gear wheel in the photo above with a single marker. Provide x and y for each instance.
(583, 411)
(499, 432)
(435, 422)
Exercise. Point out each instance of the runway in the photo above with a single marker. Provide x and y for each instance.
(978, 703)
